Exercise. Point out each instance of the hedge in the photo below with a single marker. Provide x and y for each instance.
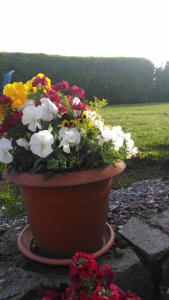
(120, 80)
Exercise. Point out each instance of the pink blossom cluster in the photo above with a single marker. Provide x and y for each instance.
(88, 282)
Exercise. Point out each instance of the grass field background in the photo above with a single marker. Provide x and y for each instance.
(149, 127)
(148, 124)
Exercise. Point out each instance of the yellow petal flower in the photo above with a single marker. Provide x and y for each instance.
(17, 92)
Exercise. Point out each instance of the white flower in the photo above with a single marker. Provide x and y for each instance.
(117, 137)
(27, 103)
(114, 134)
(76, 101)
(22, 143)
(130, 150)
(68, 138)
(31, 117)
(5, 156)
(48, 109)
(41, 142)
(76, 113)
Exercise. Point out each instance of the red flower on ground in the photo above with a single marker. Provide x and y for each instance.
(129, 296)
(106, 276)
(110, 293)
(84, 265)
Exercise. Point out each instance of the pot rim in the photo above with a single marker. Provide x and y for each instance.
(66, 179)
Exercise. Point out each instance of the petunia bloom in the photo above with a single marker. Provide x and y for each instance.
(41, 142)
(22, 143)
(31, 117)
(47, 110)
(68, 138)
(5, 146)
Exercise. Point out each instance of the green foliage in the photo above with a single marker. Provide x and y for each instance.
(120, 80)
(10, 201)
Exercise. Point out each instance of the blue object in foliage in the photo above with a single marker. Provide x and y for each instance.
(6, 80)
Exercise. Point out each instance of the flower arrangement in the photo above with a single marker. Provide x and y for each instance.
(88, 281)
(47, 129)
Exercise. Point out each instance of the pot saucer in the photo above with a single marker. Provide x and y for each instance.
(25, 238)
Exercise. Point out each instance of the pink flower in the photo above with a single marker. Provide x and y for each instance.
(76, 91)
(63, 85)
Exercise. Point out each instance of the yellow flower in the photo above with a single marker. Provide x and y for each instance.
(65, 123)
(17, 92)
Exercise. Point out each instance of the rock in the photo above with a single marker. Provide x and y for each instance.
(8, 242)
(118, 252)
(113, 207)
(161, 221)
(152, 242)
(164, 291)
(165, 270)
(131, 274)
(16, 282)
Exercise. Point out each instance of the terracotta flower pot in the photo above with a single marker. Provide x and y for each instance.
(67, 213)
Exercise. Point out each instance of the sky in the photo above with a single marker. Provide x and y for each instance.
(107, 28)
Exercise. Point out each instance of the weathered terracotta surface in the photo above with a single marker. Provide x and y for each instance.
(67, 213)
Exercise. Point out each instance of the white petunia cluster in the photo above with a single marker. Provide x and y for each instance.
(33, 114)
(5, 146)
(69, 137)
(118, 138)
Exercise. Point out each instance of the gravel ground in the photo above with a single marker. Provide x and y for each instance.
(143, 199)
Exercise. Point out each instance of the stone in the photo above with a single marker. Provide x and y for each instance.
(16, 282)
(161, 221)
(152, 242)
(8, 242)
(131, 274)
(113, 207)
(164, 291)
(165, 269)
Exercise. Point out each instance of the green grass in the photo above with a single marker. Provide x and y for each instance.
(149, 127)
(10, 201)
(148, 124)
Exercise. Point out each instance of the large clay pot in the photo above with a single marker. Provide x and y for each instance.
(67, 213)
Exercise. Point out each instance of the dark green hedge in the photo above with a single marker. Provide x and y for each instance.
(120, 80)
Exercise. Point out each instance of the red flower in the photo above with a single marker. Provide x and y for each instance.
(130, 296)
(106, 294)
(84, 265)
(76, 91)
(5, 100)
(39, 80)
(3, 128)
(13, 117)
(106, 275)
(63, 85)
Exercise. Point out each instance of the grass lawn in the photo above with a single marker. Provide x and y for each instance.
(149, 126)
